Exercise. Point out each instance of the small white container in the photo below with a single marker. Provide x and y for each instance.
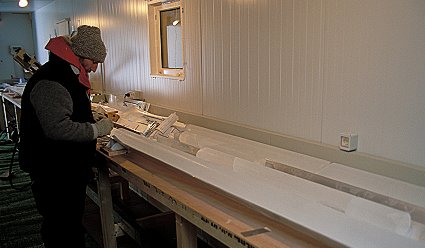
(348, 142)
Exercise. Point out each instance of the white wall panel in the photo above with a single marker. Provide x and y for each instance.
(261, 64)
(44, 20)
(374, 71)
(124, 29)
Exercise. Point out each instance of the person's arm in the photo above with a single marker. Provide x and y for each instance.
(53, 106)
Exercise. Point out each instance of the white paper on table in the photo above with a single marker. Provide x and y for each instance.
(193, 139)
(385, 217)
(215, 156)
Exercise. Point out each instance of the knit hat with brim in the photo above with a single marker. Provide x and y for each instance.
(87, 43)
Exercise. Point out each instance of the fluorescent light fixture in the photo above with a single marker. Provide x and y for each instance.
(23, 3)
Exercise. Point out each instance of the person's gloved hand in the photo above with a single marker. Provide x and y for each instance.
(98, 116)
(104, 127)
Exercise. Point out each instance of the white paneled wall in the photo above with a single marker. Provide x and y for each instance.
(313, 69)
(262, 64)
(306, 68)
(124, 29)
(44, 25)
(374, 74)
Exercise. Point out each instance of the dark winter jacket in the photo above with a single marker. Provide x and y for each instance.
(56, 135)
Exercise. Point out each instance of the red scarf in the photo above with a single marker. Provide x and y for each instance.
(60, 48)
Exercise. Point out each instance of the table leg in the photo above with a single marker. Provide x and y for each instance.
(6, 125)
(105, 203)
(186, 233)
(16, 118)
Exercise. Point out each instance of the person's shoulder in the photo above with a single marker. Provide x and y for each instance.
(45, 86)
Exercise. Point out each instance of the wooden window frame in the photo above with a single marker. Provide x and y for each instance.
(154, 9)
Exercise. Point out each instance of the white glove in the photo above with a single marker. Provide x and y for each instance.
(104, 127)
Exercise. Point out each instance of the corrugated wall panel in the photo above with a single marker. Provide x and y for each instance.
(124, 30)
(374, 76)
(44, 29)
(275, 54)
(286, 65)
(257, 70)
(192, 97)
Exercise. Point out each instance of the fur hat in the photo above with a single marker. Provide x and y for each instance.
(87, 43)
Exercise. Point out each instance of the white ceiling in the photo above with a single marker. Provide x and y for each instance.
(12, 5)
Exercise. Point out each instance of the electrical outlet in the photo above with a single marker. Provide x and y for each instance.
(348, 142)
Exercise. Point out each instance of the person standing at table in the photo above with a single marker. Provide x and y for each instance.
(58, 134)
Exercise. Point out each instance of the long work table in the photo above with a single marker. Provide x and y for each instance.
(248, 194)
(196, 206)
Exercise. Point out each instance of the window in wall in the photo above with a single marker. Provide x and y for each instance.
(166, 39)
